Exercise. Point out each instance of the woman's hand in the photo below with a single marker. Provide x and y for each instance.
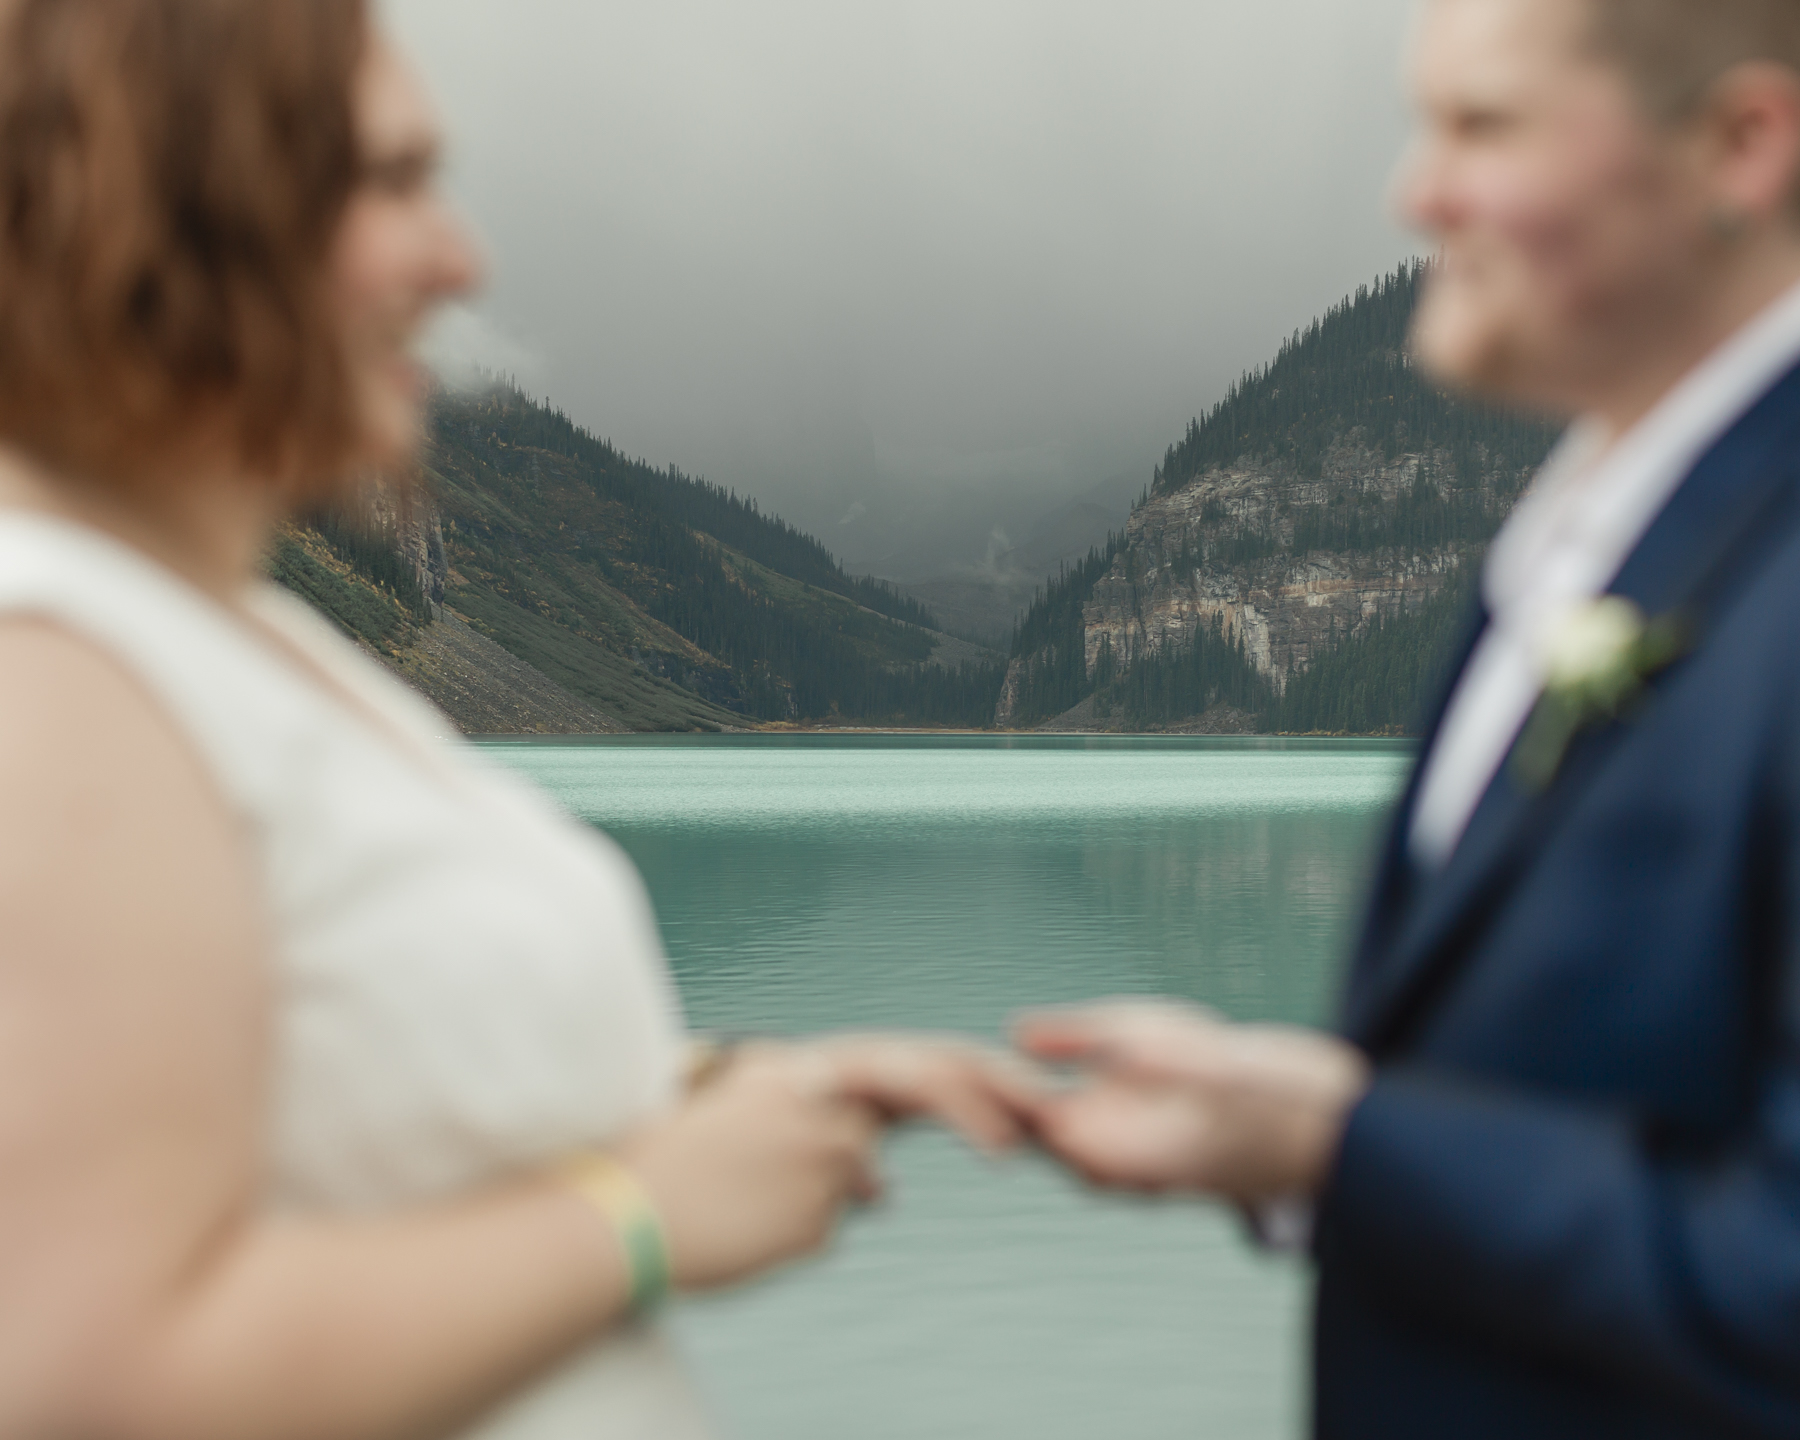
(1177, 1099)
(988, 1097)
(755, 1167)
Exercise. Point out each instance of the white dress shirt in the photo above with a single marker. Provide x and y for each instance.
(1564, 546)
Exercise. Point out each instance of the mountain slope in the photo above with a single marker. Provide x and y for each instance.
(1299, 555)
(543, 581)
(1297, 564)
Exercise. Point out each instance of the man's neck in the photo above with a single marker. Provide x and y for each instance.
(1695, 331)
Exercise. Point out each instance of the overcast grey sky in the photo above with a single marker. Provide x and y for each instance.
(904, 268)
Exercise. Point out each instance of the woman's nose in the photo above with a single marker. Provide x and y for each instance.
(461, 266)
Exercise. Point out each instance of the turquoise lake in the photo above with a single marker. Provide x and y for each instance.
(813, 882)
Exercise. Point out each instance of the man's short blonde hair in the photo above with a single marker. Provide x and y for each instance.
(1675, 49)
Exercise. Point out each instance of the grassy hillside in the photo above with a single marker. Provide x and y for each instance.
(656, 599)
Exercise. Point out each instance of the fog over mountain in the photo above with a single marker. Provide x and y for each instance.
(928, 277)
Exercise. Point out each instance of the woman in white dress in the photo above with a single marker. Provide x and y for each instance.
(341, 1082)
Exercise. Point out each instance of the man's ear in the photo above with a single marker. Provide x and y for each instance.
(1750, 123)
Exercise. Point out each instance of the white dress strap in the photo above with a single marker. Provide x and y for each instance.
(226, 692)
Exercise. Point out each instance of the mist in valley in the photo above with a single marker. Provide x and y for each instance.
(937, 282)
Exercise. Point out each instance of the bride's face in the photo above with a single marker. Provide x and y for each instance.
(400, 254)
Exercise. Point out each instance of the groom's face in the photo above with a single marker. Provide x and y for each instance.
(1564, 216)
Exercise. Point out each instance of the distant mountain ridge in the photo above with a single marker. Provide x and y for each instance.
(545, 581)
(1297, 563)
(984, 602)
(1300, 557)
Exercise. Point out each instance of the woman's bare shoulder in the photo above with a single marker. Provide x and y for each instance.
(72, 715)
(102, 797)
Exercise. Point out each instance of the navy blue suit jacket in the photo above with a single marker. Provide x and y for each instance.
(1570, 1206)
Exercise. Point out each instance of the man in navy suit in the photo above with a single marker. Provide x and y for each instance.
(1551, 1168)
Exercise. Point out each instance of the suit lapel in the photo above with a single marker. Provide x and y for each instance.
(1705, 538)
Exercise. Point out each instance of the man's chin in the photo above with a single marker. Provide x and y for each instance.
(1458, 354)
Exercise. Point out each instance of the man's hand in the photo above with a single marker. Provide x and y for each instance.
(1176, 1099)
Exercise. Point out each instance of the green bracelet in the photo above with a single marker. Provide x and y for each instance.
(612, 1189)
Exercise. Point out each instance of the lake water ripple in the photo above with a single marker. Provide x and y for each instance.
(809, 883)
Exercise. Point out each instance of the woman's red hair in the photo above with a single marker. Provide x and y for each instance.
(172, 174)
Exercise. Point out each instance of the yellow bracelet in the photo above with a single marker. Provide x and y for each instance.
(617, 1193)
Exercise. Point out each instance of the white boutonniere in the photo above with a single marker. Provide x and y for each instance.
(1597, 661)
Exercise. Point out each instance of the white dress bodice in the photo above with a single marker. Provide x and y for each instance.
(469, 982)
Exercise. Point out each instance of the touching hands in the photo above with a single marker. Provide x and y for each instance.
(755, 1166)
(1176, 1099)
(986, 1096)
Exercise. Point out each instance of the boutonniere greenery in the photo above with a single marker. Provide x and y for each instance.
(1598, 661)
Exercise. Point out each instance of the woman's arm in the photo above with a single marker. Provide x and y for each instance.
(142, 1295)
(408, 1326)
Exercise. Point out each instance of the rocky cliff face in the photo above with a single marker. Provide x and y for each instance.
(1179, 571)
(419, 537)
(1291, 565)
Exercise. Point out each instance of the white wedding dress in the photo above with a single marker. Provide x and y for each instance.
(470, 983)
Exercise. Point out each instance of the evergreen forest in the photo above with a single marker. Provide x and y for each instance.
(1349, 371)
(1339, 394)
